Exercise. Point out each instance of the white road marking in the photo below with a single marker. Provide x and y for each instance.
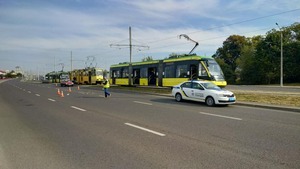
(37, 95)
(142, 102)
(142, 128)
(29, 91)
(51, 100)
(228, 117)
(77, 108)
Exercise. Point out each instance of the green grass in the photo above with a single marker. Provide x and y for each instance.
(267, 98)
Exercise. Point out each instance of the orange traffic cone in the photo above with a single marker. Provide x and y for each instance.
(70, 89)
(62, 94)
(78, 88)
(58, 92)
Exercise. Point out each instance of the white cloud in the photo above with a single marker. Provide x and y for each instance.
(54, 30)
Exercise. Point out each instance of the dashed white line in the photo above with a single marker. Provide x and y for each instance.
(29, 91)
(145, 129)
(51, 100)
(143, 103)
(37, 95)
(228, 117)
(77, 108)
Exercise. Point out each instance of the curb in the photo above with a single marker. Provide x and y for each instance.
(275, 107)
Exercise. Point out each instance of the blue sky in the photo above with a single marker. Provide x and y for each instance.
(39, 35)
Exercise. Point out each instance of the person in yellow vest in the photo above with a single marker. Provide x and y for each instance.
(106, 87)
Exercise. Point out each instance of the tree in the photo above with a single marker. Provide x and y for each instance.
(256, 60)
(291, 55)
(269, 54)
(250, 73)
(173, 55)
(228, 73)
(148, 58)
(291, 62)
(229, 53)
(11, 74)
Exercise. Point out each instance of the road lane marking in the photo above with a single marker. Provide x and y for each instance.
(29, 91)
(142, 103)
(145, 129)
(37, 95)
(228, 117)
(77, 108)
(51, 100)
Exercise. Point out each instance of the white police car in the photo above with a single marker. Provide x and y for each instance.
(202, 91)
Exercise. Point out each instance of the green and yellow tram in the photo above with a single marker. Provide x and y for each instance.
(168, 72)
(55, 77)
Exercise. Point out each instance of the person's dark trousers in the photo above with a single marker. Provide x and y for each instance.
(106, 92)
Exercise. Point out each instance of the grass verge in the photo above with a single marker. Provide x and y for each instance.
(266, 98)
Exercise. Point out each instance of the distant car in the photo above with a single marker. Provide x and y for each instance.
(203, 91)
(66, 83)
(46, 81)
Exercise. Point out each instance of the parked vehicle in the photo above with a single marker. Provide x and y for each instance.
(203, 91)
(66, 82)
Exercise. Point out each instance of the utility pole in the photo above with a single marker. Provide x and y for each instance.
(130, 82)
(130, 45)
(130, 65)
(71, 62)
(71, 74)
(54, 64)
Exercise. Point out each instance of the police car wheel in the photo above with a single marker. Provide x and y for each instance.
(178, 97)
(210, 101)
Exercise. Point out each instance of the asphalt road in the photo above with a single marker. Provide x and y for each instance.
(42, 130)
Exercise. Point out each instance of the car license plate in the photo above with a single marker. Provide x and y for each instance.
(231, 99)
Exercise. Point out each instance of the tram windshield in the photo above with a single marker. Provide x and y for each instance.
(215, 70)
(64, 76)
(99, 72)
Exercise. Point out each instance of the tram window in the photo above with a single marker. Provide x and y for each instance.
(169, 72)
(93, 72)
(181, 71)
(86, 73)
(144, 72)
(116, 73)
(202, 70)
(125, 73)
(99, 72)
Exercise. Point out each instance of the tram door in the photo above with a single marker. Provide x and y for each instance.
(136, 76)
(90, 77)
(152, 76)
(113, 77)
(194, 73)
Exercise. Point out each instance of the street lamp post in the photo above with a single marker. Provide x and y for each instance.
(281, 57)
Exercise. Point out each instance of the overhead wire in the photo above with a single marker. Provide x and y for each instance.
(235, 23)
